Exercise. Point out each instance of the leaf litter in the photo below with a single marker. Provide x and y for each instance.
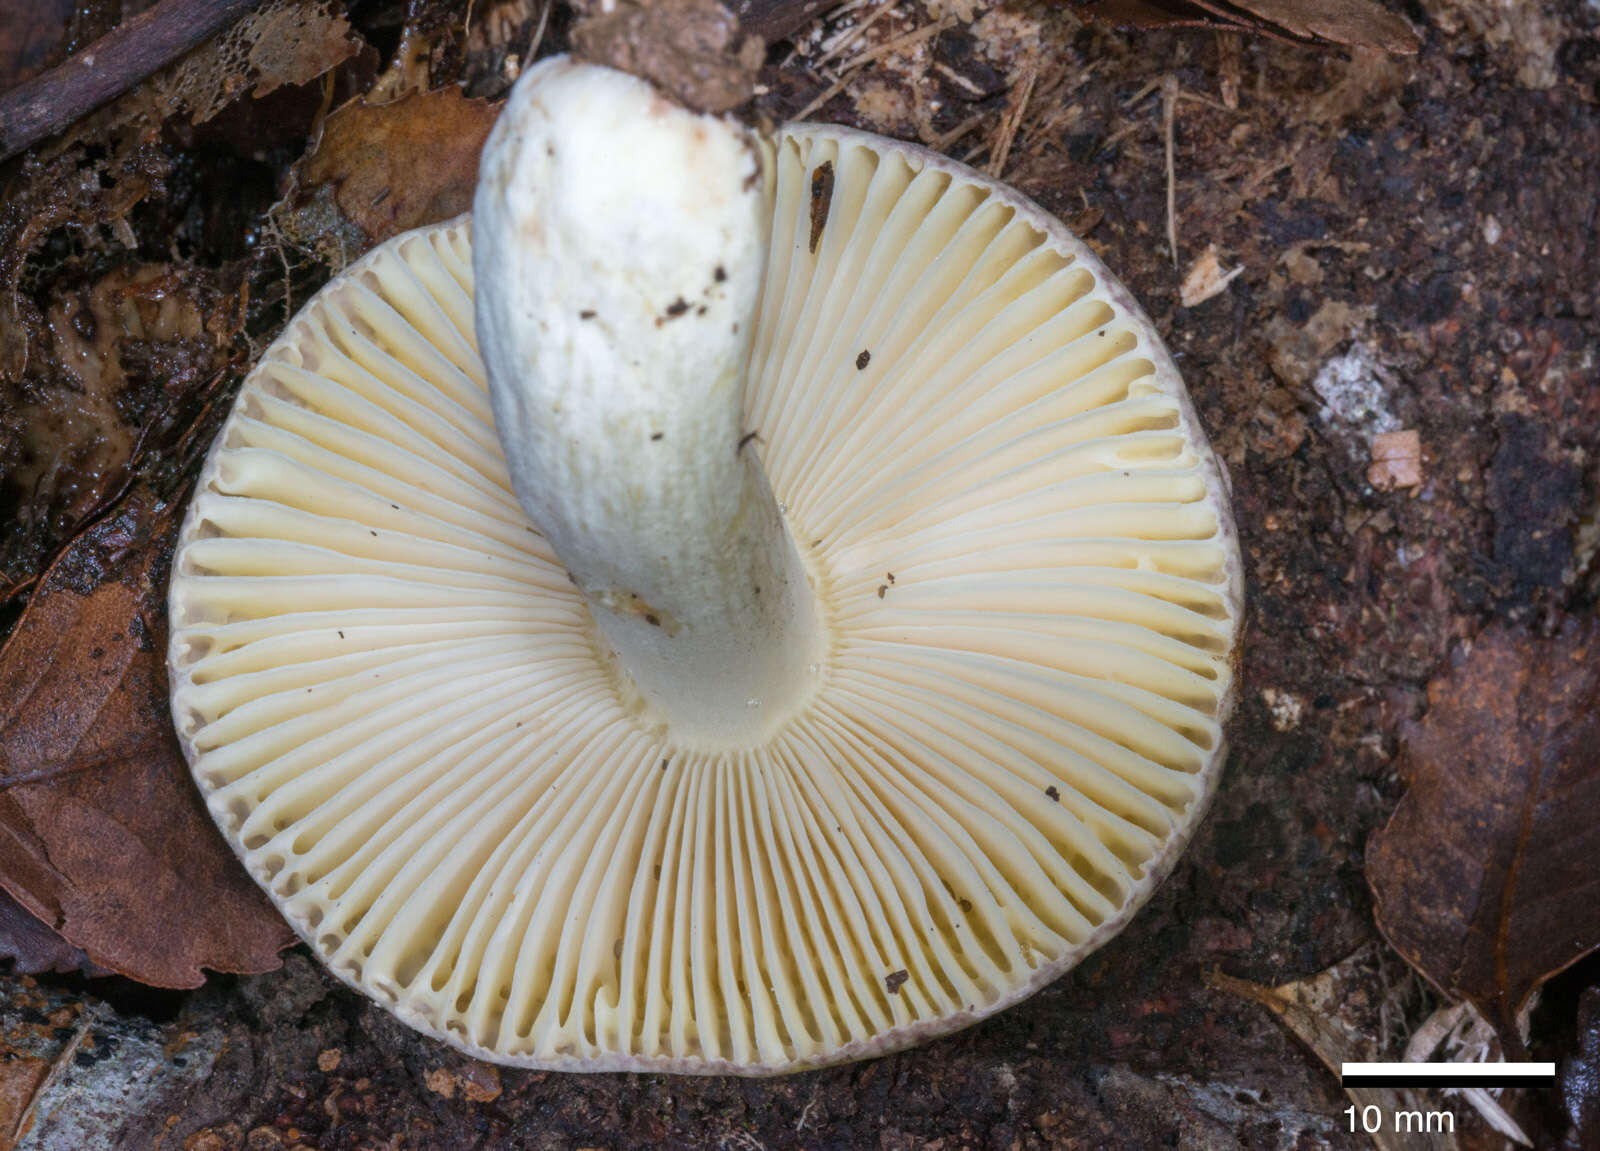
(1347, 23)
(1342, 1014)
(105, 838)
(382, 169)
(1484, 878)
(1057, 96)
(110, 862)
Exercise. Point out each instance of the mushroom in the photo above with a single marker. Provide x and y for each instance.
(850, 661)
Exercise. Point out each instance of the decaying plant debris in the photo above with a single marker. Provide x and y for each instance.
(103, 834)
(1401, 378)
(1485, 875)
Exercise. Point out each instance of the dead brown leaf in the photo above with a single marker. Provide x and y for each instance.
(1484, 877)
(1349, 23)
(30, 947)
(1145, 15)
(104, 837)
(393, 167)
(777, 19)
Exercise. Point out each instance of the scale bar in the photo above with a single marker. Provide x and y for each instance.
(1447, 1074)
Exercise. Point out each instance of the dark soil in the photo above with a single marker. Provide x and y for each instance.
(1423, 230)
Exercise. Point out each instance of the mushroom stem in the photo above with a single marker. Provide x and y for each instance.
(619, 245)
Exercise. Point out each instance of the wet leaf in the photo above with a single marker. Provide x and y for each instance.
(102, 835)
(1484, 876)
(393, 167)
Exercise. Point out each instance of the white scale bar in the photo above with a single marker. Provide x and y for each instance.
(1393, 1074)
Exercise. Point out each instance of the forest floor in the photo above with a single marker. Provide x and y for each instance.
(1418, 252)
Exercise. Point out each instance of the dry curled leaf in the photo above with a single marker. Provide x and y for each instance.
(282, 44)
(393, 167)
(295, 44)
(1484, 877)
(102, 835)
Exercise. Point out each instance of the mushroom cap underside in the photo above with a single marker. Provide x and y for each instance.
(401, 718)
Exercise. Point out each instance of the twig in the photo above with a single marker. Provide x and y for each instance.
(1115, 138)
(828, 93)
(1012, 121)
(827, 40)
(58, 1067)
(1197, 98)
(1169, 109)
(849, 38)
(855, 64)
(128, 54)
(1229, 68)
(958, 80)
(943, 143)
(911, 38)
(1149, 87)
(538, 33)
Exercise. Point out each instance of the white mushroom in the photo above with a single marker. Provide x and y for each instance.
(647, 816)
